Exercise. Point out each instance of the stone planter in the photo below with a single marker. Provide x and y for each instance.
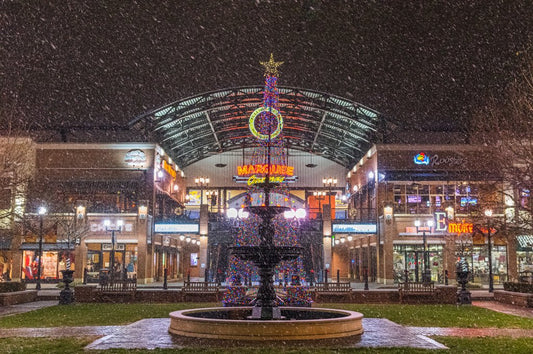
(514, 298)
(17, 297)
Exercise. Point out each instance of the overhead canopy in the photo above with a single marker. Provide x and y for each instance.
(197, 127)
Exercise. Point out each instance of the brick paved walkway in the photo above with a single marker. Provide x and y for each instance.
(153, 332)
(505, 308)
(27, 307)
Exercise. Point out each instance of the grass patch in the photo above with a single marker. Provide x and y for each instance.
(438, 315)
(97, 314)
(487, 345)
(456, 345)
(44, 345)
(94, 314)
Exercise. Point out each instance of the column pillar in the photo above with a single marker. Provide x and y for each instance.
(326, 234)
(16, 254)
(80, 261)
(512, 261)
(204, 229)
(144, 254)
(449, 256)
(388, 251)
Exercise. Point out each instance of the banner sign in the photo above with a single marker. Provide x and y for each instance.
(177, 228)
(354, 228)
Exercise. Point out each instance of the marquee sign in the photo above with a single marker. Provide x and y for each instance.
(253, 174)
(275, 170)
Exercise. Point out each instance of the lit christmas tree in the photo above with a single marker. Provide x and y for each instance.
(266, 124)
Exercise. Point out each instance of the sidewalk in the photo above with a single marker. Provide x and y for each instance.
(27, 307)
(505, 308)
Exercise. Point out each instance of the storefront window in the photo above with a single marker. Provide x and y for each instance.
(51, 265)
(411, 258)
(480, 264)
(430, 197)
(99, 259)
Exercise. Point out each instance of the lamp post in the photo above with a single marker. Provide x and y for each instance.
(113, 228)
(329, 182)
(320, 197)
(488, 214)
(42, 211)
(426, 274)
(210, 196)
(201, 182)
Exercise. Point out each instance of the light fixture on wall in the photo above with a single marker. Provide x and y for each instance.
(143, 209)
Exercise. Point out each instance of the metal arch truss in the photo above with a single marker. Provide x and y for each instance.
(210, 123)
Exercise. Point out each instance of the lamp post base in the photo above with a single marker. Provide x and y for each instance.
(426, 276)
(66, 296)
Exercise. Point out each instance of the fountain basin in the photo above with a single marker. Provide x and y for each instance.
(299, 324)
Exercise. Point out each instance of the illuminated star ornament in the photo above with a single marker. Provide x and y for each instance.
(271, 66)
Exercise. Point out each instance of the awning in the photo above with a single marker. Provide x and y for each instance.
(525, 241)
(47, 246)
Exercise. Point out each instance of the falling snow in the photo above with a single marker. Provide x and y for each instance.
(92, 63)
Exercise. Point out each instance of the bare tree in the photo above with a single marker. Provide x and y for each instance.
(508, 129)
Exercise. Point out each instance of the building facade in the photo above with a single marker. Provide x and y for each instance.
(402, 211)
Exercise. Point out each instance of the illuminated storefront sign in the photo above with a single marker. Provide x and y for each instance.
(252, 174)
(167, 167)
(441, 221)
(100, 227)
(135, 158)
(354, 228)
(277, 170)
(460, 228)
(177, 228)
(421, 159)
(273, 179)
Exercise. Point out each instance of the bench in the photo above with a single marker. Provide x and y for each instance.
(418, 291)
(201, 290)
(333, 291)
(117, 290)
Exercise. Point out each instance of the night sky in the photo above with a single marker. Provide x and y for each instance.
(430, 64)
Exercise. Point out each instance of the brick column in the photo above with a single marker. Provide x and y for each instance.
(144, 254)
(512, 261)
(80, 261)
(388, 251)
(204, 227)
(16, 265)
(326, 241)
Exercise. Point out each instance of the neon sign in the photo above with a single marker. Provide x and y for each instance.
(273, 179)
(280, 170)
(167, 167)
(421, 159)
(272, 111)
(460, 228)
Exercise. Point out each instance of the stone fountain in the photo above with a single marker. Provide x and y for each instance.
(266, 256)
(266, 321)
